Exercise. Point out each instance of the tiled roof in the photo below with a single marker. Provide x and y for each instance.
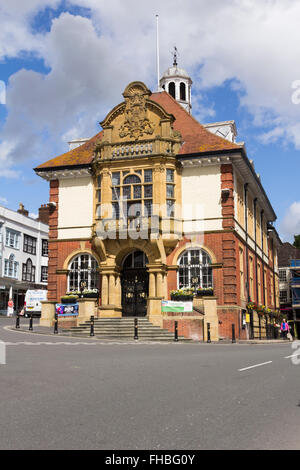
(82, 155)
(196, 138)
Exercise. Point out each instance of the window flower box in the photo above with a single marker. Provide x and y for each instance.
(90, 293)
(86, 293)
(204, 291)
(182, 295)
(69, 299)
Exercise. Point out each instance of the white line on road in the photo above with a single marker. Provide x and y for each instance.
(256, 365)
(44, 343)
(292, 355)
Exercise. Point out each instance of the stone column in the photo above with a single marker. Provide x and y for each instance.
(87, 308)
(159, 284)
(165, 286)
(118, 291)
(48, 313)
(111, 294)
(111, 290)
(152, 287)
(104, 291)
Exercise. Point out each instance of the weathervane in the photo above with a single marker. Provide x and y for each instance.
(175, 54)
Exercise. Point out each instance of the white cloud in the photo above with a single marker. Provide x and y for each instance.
(290, 224)
(2, 92)
(3, 200)
(16, 35)
(91, 60)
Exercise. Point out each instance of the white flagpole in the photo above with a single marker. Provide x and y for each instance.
(157, 54)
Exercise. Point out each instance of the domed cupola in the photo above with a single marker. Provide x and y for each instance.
(178, 84)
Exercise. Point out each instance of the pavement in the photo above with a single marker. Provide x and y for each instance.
(80, 393)
(37, 329)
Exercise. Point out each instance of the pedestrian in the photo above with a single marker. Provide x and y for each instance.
(284, 328)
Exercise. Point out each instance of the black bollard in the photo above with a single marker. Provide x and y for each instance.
(30, 323)
(17, 321)
(208, 333)
(55, 324)
(136, 335)
(233, 333)
(176, 330)
(92, 325)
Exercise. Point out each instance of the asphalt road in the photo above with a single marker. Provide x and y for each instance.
(64, 393)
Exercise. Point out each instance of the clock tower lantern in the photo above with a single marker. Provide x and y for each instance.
(177, 83)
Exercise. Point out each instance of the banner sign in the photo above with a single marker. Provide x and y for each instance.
(172, 306)
(67, 310)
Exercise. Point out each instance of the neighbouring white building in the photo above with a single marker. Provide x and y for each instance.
(23, 254)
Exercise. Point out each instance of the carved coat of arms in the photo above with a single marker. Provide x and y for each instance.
(136, 122)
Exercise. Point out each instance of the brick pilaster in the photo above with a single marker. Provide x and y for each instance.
(53, 247)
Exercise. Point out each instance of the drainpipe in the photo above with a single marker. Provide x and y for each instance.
(263, 263)
(273, 269)
(246, 230)
(255, 241)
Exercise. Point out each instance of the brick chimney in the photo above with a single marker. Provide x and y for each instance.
(44, 214)
(22, 210)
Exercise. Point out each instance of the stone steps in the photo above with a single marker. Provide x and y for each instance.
(123, 329)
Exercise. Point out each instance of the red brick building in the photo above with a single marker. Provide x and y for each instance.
(156, 202)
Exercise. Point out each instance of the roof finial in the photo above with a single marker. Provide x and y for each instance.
(175, 53)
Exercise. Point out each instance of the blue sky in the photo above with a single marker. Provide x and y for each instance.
(65, 65)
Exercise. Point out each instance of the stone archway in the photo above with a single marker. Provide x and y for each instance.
(154, 284)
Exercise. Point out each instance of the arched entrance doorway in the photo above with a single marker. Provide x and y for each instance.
(135, 282)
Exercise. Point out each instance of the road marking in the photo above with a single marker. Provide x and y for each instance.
(46, 343)
(100, 343)
(256, 365)
(292, 355)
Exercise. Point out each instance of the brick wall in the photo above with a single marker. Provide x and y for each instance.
(187, 327)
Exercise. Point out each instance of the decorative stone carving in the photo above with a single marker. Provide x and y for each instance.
(136, 122)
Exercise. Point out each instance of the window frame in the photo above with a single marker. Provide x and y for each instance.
(43, 270)
(12, 238)
(80, 273)
(10, 265)
(45, 253)
(28, 271)
(29, 244)
(130, 189)
(200, 270)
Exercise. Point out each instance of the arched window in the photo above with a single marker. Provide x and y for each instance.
(83, 269)
(182, 92)
(172, 89)
(132, 194)
(194, 269)
(135, 259)
(28, 271)
(11, 267)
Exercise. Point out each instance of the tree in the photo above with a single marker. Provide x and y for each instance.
(297, 241)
